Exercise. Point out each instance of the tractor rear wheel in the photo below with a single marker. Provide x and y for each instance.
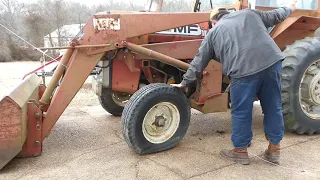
(301, 86)
(113, 102)
(156, 118)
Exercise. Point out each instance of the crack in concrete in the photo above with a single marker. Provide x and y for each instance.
(114, 131)
(71, 159)
(91, 151)
(116, 134)
(137, 168)
(300, 143)
(212, 170)
(197, 150)
(180, 174)
(204, 152)
(87, 114)
(212, 154)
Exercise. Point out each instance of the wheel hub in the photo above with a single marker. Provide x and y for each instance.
(161, 122)
(120, 98)
(310, 91)
(314, 90)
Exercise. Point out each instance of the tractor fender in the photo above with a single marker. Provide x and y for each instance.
(294, 28)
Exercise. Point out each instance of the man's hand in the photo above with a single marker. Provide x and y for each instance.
(293, 6)
(178, 85)
(185, 88)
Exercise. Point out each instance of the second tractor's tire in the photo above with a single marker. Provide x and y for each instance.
(110, 103)
(301, 69)
(156, 118)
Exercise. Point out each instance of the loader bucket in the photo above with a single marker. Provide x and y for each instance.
(13, 118)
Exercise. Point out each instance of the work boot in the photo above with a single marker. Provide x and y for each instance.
(249, 145)
(266, 136)
(272, 154)
(237, 155)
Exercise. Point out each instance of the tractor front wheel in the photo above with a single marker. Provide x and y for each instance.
(113, 102)
(301, 86)
(156, 118)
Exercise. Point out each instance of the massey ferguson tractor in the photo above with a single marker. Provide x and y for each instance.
(136, 56)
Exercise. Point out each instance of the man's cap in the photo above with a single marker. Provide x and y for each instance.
(216, 11)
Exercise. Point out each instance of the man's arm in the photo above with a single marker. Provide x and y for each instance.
(200, 61)
(274, 17)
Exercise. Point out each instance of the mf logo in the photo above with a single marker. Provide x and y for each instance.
(190, 30)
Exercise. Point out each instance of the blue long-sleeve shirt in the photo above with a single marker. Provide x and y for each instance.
(241, 43)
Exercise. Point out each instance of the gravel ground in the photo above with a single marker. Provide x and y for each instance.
(87, 143)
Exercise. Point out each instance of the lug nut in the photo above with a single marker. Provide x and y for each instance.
(37, 116)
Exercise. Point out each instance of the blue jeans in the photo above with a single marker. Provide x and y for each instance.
(266, 85)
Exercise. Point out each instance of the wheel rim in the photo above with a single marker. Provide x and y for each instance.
(309, 91)
(161, 122)
(120, 98)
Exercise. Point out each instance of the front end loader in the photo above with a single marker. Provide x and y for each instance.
(138, 54)
(30, 111)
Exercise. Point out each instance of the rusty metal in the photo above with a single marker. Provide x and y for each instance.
(79, 68)
(45, 99)
(130, 27)
(294, 28)
(131, 23)
(13, 118)
(175, 50)
(159, 38)
(76, 47)
(153, 74)
(42, 89)
(130, 60)
(33, 145)
(211, 82)
(148, 74)
(217, 103)
(144, 39)
(158, 56)
(178, 50)
(209, 98)
(126, 81)
(159, 76)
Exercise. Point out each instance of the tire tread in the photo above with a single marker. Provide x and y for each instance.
(135, 104)
(294, 53)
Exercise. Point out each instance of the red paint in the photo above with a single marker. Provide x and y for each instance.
(50, 62)
(33, 145)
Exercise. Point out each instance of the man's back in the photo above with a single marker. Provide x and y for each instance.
(242, 43)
